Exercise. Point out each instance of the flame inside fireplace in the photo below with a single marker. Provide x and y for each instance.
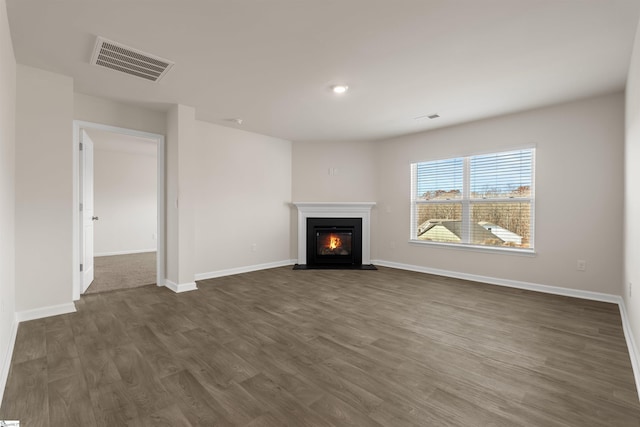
(334, 241)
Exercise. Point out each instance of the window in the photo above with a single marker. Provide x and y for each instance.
(485, 200)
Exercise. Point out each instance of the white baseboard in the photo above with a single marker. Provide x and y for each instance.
(240, 270)
(137, 251)
(556, 290)
(634, 355)
(39, 313)
(182, 287)
(23, 316)
(6, 365)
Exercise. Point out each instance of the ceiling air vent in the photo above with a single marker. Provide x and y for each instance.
(130, 61)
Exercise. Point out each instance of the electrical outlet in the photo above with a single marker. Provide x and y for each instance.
(582, 265)
(254, 247)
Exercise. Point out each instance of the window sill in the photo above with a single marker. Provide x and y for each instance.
(476, 248)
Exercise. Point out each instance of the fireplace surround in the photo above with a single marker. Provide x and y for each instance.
(333, 217)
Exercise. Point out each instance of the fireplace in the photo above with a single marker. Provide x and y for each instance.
(334, 242)
(335, 218)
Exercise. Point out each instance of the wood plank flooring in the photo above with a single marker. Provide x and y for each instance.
(325, 348)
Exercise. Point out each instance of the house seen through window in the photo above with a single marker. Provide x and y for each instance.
(484, 200)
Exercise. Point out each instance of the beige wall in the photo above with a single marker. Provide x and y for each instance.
(244, 192)
(209, 169)
(181, 193)
(330, 171)
(632, 195)
(171, 200)
(44, 186)
(125, 195)
(107, 112)
(7, 190)
(353, 162)
(579, 194)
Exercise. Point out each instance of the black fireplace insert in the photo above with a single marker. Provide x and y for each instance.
(334, 242)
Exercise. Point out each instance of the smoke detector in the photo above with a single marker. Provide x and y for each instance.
(125, 59)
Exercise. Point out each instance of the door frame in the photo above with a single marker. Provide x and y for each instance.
(161, 251)
(86, 220)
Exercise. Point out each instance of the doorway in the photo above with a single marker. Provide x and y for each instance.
(117, 225)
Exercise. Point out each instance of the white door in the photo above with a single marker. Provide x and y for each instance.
(86, 214)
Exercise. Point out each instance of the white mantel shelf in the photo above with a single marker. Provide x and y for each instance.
(334, 210)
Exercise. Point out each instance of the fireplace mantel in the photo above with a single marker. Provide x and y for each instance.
(334, 210)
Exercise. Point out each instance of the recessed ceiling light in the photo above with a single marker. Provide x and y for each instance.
(339, 89)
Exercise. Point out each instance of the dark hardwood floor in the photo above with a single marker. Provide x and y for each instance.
(325, 348)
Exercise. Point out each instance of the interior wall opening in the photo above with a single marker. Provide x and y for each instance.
(119, 220)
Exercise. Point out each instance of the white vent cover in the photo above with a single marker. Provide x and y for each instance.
(131, 61)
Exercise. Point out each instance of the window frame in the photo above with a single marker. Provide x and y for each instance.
(467, 202)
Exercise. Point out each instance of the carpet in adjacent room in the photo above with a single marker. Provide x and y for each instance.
(123, 272)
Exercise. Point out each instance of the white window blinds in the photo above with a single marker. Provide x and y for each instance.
(440, 180)
(484, 200)
(501, 174)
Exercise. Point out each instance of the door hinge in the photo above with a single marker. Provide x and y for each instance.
(81, 267)
(81, 147)
(80, 206)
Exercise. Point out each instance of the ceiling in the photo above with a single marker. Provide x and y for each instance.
(271, 62)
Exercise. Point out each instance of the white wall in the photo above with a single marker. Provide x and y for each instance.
(244, 196)
(125, 199)
(579, 194)
(632, 194)
(44, 185)
(7, 193)
(107, 112)
(354, 165)
(332, 171)
(182, 158)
